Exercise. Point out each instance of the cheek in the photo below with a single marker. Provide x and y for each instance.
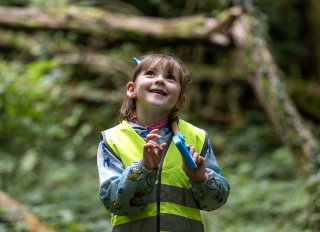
(178, 92)
(179, 97)
(139, 85)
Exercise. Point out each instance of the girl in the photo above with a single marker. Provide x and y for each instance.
(144, 182)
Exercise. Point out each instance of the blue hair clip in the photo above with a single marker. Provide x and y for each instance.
(136, 61)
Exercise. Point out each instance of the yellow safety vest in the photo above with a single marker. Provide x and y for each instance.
(171, 206)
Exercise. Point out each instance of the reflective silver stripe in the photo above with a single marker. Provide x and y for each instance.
(168, 222)
(174, 194)
(144, 225)
(172, 222)
(152, 196)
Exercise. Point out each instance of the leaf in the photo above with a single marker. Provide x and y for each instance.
(29, 161)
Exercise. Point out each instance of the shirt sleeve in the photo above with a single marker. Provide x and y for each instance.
(212, 193)
(123, 191)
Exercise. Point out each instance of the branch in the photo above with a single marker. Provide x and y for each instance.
(35, 43)
(16, 212)
(101, 23)
(90, 94)
(100, 63)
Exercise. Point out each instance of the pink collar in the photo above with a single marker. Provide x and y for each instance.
(152, 126)
(157, 125)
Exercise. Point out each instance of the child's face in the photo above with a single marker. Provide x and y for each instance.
(155, 89)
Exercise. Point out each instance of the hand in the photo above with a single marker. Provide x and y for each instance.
(197, 175)
(152, 151)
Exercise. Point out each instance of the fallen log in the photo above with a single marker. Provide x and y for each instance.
(97, 22)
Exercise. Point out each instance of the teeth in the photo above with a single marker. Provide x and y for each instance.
(158, 91)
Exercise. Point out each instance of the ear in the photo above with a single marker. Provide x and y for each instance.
(131, 91)
(180, 104)
(184, 99)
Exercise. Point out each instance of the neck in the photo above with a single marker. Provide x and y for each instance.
(147, 118)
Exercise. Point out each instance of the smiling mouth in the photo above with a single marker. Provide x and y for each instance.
(158, 91)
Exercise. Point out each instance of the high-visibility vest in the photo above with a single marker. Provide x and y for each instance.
(170, 206)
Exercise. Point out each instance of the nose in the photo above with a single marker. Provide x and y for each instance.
(159, 80)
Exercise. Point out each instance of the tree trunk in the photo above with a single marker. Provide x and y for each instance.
(272, 94)
(263, 75)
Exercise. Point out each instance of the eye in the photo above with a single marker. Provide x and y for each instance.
(171, 77)
(150, 73)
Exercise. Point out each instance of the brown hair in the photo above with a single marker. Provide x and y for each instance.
(170, 64)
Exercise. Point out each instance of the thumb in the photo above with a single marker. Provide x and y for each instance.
(184, 164)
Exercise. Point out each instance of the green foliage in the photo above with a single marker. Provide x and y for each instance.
(262, 206)
(48, 140)
(27, 111)
(313, 185)
(288, 35)
(31, 110)
(40, 139)
(265, 192)
(303, 93)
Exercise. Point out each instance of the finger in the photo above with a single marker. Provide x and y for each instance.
(154, 131)
(192, 150)
(152, 136)
(156, 144)
(149, 146)
(201, 161)
(195, 157)
(159, 152)
(184, 164)
(163, 145)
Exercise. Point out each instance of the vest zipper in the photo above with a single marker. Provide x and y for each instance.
(159, 182)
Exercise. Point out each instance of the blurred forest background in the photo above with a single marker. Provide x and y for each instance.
(255, 67)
